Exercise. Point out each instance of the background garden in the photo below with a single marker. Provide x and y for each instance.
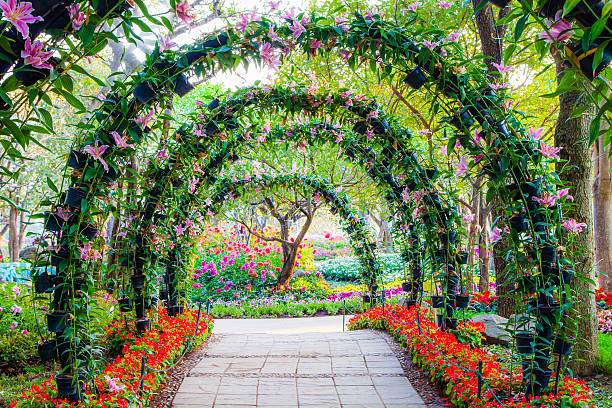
(253, 191)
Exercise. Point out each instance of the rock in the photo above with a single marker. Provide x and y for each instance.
(495, 328)
(28, 253)
(299, 272)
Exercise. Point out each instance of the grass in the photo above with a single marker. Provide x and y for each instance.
(11, 385)
(604, 362)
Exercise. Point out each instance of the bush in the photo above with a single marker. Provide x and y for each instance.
(350, 270)
(604, 361)
(605, 321)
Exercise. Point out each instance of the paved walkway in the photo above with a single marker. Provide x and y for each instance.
(296, 363)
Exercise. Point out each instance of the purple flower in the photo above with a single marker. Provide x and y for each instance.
(78, 17)
(462, 167)
(19, 13)
(34, 55)
(572, 226)
(549, 151)
(559, 30)
(297, 28)
(502, 68)
(182, 12)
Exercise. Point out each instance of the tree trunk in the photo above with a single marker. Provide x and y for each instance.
(602, 220)
(13, 241)
(289, 259)
(473, 235)
(571, 135)
(505, 301)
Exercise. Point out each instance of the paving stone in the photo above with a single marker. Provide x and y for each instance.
(282, 369)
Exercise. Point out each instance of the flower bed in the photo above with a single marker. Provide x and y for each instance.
(485, 302)
(604, 318)
(603, 299)
(349, 269)
(441, 354)
(118, 382)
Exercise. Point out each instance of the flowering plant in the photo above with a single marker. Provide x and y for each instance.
(118, 382)
(603, 299)
(454, 365)
(605, 321)
(483, 302)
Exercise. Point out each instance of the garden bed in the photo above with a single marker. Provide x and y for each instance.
(454, 364)
(118, 383)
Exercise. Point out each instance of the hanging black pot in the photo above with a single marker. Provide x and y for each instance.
(56, 321)
(463, 120)
(447, 238)
(144, 93)
(410, 303)
(175, 310)
(88, 231)
(549, 312)
(74, 195)
(527, 284)
(502, 130)
(181, 85)
(525, 342)
(540, 381)
(110, 175)
(125, 305)
(57, 257)
(561, 277)
(43, 283)
(407, 286)
(163, 294)
(450, 323)
(139, 307)
(462, 258)
(115, 7)
(142, 325)
(519, 223)
(561, 347)
(68, 387)
(211, 128)
(548, 255)
(462, 301)
(28, 75)
(416, 272)
(367, 299)
(137, 281)
(437, 302)
(53, 222)
(416, 78)
(47, 350)
(452, 281)
(151, 302)
(584, 59)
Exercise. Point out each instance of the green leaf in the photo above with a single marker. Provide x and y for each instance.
(52, 185)
(520, 27)
(72, 100)
(142, 25)
(145, 12)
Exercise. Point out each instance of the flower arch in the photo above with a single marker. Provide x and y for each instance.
(513, 159)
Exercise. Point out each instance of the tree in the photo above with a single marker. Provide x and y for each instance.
(602, 214)
(576, 169)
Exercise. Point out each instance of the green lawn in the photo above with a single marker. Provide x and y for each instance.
(604, 364)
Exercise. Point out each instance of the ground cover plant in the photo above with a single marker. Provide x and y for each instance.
(348, 269)
(454, 364)
(118, 382)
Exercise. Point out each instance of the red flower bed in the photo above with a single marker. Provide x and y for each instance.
(454, 364)
(119, 380)
(603, 299)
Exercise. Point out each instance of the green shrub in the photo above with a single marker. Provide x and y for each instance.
(604, 362)
(349, 269)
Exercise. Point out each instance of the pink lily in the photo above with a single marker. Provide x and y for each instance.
(89, 254)
(564, 193)
(121, 141)
(165, 43)
(63, 214)
(179, 230)
(495, 235)
(444, 5)
(405, 195)
(272, 34)
(96, 152)
(19, 13)
(182, 12)
(572, 226)
(144, 120)
(546, 199)
(502, 68)
(297, 28)
(268, 56)
(112, 384)
(274, 5)
(414, 6)
(549, 151)
(77, 17)
(430, 45)
(559, 30)
(462, 167)
(316, 44)
(34, 55)
(536, 134)
(162, 154)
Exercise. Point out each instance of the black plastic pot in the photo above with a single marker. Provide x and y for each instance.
(181, 85)
(47, 350)
(561, 347)
(407, 286)
(463, 119)
(56, 321)
(151, 302)
(416, 272)
(416, 78)
(549, 312)
(525, 343)
(43, 283)
(500, 3)
(211, 128)
(563, 277)
(57, 257)
(28, 75)
(462, 301)
(137, 281)
(410, 303)
(586, 59)
(215, 42)
(78, 160)
(539, 381)
(502, 130)
(53, 222)
(142, 325)
(527, 284)
(519, 223)
(175, 310)
(437, 302)
(125, 305)
(74, 195)
(163, 294)
(88, 231)
(139, 307)
(144, 93)
(450, 323)
(116, 7)
(67, 387)
(548, 255)
(452, 281)
(462, 258)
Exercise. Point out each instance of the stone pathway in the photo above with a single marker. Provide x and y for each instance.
(296, 363)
